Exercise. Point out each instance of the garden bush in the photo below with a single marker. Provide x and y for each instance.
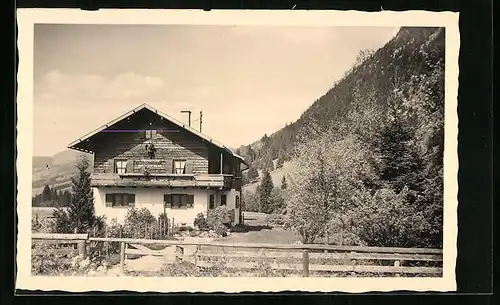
(201, 222)
(137, 221)
(275, 219)
(221, 215)
(219, 220)
(53, 263)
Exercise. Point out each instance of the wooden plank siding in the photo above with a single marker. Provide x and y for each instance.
(131, 146)
(127, 140)
(171, 143)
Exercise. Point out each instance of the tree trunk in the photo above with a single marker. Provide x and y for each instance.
(327, 233)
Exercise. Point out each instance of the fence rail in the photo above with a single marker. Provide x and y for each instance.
(298, 257)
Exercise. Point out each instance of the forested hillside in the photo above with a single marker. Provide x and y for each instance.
(365, 161)
(411, 57)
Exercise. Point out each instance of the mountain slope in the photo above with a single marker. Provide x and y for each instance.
(412, 55)
(55, 171)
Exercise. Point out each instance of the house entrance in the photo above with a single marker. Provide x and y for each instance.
(217, 199)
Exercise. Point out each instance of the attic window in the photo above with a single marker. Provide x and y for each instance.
(151, 134)
(179, 166)
(121, 166)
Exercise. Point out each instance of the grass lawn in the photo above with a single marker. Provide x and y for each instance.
(259, 231)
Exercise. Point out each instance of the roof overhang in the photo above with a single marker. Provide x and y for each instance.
(77, 144)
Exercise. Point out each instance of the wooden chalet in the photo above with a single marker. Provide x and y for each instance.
(145, 158)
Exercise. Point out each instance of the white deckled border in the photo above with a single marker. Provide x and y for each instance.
(28, 17)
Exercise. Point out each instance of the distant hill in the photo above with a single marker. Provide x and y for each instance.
(400, 62)
(55, 171)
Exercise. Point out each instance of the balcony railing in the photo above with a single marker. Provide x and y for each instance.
(162, 180)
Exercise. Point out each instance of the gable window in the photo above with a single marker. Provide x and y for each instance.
(223, 200)
(120, 166)
(179, 166)
(120, 200)
(179, 201)
(151, 134)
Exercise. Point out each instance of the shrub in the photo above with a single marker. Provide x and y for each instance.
(220, 229)
(220, 214)
(137, 221)
(275, 219)
(43, 225)
(250, 202)
(186, 228)
(53, 263)
(201, 222)
(239, 228)
(219, 220)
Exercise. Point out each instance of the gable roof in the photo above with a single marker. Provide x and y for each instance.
(73, 145)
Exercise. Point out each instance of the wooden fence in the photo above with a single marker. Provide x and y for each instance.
(292, 257)
(160, 228)
(72, 243)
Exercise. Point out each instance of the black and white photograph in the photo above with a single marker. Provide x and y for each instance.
(188, 152)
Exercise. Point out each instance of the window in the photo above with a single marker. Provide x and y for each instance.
(120, 166)
(179, 201)
(179, 166)
(151, 134)
(120, 200)
(212, 202)
(223, 200)
(237, 205)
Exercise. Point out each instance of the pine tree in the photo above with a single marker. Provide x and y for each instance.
(53, 195)
(265, 189)
(283, 183)
(279, 162)
(81, 214)
(400, 162)
(46, 193)
(252, 173)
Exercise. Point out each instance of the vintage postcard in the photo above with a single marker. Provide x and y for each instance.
(235, 151)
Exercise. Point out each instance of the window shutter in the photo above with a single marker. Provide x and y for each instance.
(109, 200)
(167, 199)
(190, 201)
(131, 200)
(189, 167)
(130, 166)
(169, 165)
(111, 166)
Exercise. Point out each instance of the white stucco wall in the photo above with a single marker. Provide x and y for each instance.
(152, 199)
(231, 203)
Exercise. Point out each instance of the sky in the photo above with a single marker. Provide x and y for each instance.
(247, 80)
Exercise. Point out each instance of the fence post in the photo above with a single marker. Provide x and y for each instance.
(397, 264)
(165, 225)
(305, 263)
(353, 263)
(81, 248)
(106, 243)
(122, 256)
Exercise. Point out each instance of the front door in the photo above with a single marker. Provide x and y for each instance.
(211, 202)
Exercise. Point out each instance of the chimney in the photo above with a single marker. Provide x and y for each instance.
(189, 116)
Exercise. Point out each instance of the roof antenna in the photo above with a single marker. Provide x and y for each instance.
(201, 119)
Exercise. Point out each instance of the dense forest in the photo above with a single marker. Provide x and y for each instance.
(402, 64)
(365, 161)
(50, 197)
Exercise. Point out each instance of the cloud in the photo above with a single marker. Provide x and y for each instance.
(58, 87)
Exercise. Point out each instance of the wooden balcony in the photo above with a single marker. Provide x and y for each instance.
(162, 180)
